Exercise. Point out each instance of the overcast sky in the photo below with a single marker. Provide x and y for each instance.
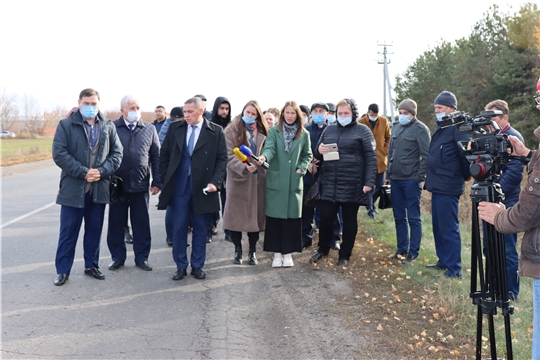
(164, 52)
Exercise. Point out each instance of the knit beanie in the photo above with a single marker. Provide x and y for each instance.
(409, 106)
(446, 98)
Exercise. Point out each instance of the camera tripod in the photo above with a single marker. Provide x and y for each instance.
(493, 281)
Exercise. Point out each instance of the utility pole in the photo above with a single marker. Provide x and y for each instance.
(386, 84)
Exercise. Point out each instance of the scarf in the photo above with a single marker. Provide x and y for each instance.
(288, 134)
(252, 144)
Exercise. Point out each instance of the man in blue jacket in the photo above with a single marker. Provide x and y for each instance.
(141, 156)
(510, 181)
(87, 149)
(445, 179)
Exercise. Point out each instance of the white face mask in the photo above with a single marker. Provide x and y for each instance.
(372, 118)
(133, 116)
(344, 121)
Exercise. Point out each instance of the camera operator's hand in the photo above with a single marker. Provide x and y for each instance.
(518, 148)
(488, 210)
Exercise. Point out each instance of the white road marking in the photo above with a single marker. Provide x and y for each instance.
(27, 215)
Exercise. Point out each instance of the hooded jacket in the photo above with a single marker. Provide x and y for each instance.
(218, 119)
(343, 180)
(525, 216)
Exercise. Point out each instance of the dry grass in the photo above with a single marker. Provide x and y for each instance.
(16, 151)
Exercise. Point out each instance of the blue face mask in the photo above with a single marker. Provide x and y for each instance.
(331, 119)
(248, 120)
(440, 116)
(318, 118)
(89, 112)
(404, 119)
(344, 121)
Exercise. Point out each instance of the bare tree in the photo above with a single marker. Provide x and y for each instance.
(9, 112)
(33, 120)
(51, 118)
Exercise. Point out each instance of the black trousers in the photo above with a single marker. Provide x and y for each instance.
(283, 235)
(236, 237)
(329, 211)
(308, 213)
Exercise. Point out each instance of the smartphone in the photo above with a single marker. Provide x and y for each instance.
(332, 147)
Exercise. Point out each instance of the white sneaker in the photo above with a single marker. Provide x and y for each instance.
(278, 260)
(287, 260)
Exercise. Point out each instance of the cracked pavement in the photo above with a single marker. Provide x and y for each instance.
(238, 312)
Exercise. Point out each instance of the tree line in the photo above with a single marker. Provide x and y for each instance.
(498, 60)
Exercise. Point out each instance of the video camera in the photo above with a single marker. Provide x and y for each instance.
(487, 149)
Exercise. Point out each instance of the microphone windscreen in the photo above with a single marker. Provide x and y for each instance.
(239, 155)
(245, 150)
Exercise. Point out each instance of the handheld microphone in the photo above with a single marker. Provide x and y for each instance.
(247, 152)
(243, 158)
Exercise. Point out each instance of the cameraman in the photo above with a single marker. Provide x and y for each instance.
(446, 174)
(523, 216)
(510, 181)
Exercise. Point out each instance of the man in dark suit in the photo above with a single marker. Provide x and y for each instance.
(193, 160)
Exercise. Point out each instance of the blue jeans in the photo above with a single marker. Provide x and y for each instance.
(406, 207)
(375, 192)
(446, 233)
(536, 320)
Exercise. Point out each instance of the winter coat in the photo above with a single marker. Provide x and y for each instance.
(512, 175)
(525, 216)
(315, 133)
(71, 152)
(209, 162)
(447, 168)
(141, 155)
(284, 186)
(381, 133)
(164, 128)
(343, 180)
(244, 208)
(407, 157)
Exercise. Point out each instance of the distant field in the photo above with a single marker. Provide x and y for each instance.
(15, 151)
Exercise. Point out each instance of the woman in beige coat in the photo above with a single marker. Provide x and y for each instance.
(244, 208)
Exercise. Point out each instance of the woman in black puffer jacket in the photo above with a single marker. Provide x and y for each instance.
(345, 182)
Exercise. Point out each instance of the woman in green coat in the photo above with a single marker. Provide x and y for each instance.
(288, 152)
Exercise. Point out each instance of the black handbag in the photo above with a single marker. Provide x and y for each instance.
(116, 188)
(385, 197)
(313, 196)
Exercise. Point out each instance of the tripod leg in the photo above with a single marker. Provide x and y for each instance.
(479, 316)
(492, 342)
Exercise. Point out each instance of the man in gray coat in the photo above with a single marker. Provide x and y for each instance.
(87, 149)
(407, 166)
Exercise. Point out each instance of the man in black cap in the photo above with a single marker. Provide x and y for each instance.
(331, 118)
(445, 179)
(306, 113)
(207, 114)
(319, 112)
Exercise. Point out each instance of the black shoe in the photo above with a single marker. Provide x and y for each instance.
(228, 238)
(398, 255)
(214, 230)
(458, 276)
(127, 236)
(307, 245)
(343, 262)
(95, 273)
(188, 245)
(410, 259)
(316, 257)
(209, 239)
(198, 273)
(179, 274)
(60, 279)
(435, 266)
(169, 241)
(252, 259)
(238, 255)
(115, 265)
(336, 245)
(144, 265)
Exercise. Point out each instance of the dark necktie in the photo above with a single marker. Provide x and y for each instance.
(191, 141)
(131, 126)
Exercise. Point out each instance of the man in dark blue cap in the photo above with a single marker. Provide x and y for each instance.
(446, 174)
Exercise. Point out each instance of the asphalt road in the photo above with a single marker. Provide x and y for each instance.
(249, 312)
